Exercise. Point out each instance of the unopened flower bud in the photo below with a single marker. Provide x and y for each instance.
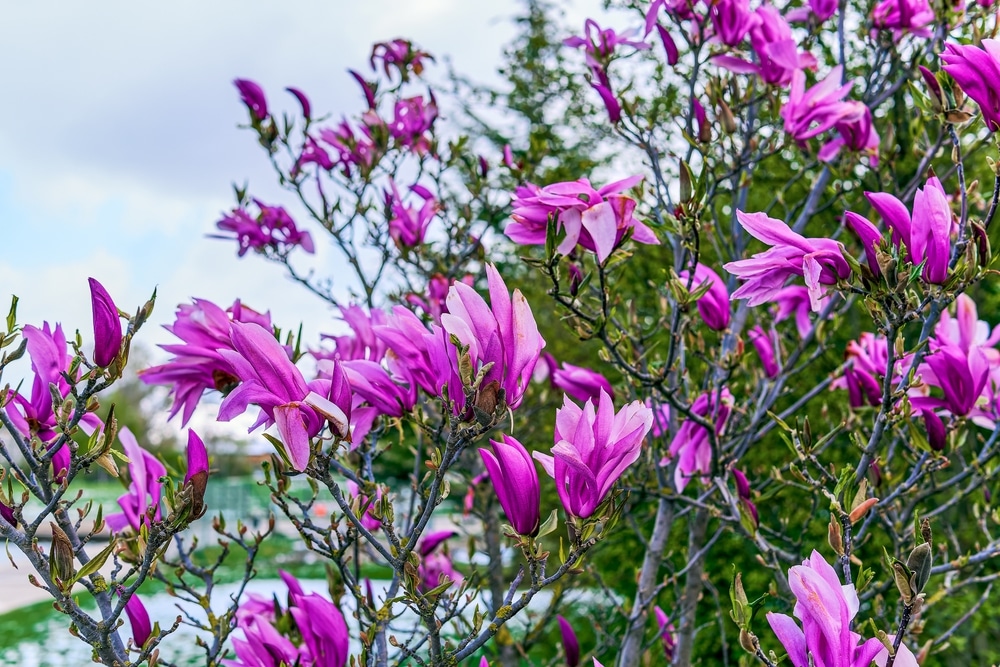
(919, 563)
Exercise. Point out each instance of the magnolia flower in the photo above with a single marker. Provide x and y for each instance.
(778, 56)
(435, 566)
(399, 55)
(713, 305)
(515, 481)
(857, 135)
(597, 220)
(503, 333)
(666, 632)
(731, 20)
(690, 445)
(253, 97)
(926, 234)
(820, 9)
(819, 261)
(138, 618)
(581, 384)
(593, 448)
(269, 380)
(977, 72)
(571, 646)
(107, 325)
(197, 364)
(863, 378)
(303, 101)
(272, 228)
(144, 490)
(961, 375)
(196, 477)
(826, 608)
(808, 113)
(408, 225)
(902, 16)
(412, 118)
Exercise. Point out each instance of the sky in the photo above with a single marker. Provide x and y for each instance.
(119, 142)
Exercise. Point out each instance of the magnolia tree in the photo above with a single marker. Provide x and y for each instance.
(784, 387)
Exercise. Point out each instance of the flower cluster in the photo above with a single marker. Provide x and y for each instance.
(271, 229)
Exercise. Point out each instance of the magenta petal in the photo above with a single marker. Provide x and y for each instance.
(790, 636)
(197, 456)
(139, 618)
(292, 429)
(107, 325)
(571, 646)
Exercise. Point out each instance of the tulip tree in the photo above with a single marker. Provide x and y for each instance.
(765, 227)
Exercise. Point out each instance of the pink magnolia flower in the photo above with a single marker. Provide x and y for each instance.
(412, 118)
(399, 55)
(581, 384)
(713, 306)
(667, 633)
(303, 101)
(690, 445)
(197, 364)
(353, 151)
(904, 16)
(253, 97)
(34, 416)
(821, 10)
(107, 325)
(361, 343)
(515, 481)
(142, 500)
(312, 153)
(138, 618)
(269, 380)
(778, 56)
(595, 219)
(503, 333)
(271, 229)
(683, 10)
(731, 20)
(408, 225)
(571, 646)
(793, 301)
(857, 135)
(436, 566)
(926, 234)
(593, 448)
(977, 71)
(764, 344)
(808, 113)
(825, 607)
(599, 44)
(818, 261)
(960, 374)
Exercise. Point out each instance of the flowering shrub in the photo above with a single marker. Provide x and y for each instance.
(779, 392)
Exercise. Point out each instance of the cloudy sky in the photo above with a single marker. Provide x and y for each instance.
(119, 140)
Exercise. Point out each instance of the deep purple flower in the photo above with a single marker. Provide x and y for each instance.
(515, 481)
(197, 364)
(352, 150)
(961, 375)
(593, 448)
(144, 489)
(600, 44)
(594, 219)
(819, 261)
(731, 20)
(669, 45)
(713, 306)
(863, 378)
(408, 224)
(690, 445)
(571, 646)
(107, 325)
(503, 333)
(977, 71)
(323, 629)
(253, 96)
(682, 10)
(138, 617)
(808, 113)
(312, 153)
(825, 607)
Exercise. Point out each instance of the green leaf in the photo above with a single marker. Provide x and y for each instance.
(95, 563)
